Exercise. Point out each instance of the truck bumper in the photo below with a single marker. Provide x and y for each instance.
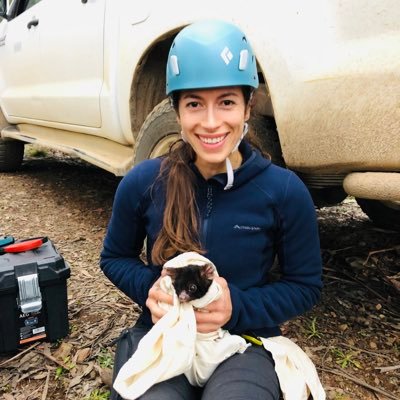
(373, 185)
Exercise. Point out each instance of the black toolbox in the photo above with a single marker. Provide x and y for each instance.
(33, 297)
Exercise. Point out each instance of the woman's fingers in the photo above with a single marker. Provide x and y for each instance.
(156, 296)
(217, 313)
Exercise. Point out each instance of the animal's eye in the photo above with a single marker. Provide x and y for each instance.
(192, 288)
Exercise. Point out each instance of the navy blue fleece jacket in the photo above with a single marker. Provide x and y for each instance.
(267, 213)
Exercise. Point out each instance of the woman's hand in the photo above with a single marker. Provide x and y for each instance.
(217, 313)
(157, 295)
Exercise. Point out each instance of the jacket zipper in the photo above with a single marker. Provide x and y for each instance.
(209, 206)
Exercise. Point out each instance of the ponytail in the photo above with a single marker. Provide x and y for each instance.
(180, 230)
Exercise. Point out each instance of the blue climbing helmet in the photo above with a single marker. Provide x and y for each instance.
(210, 54)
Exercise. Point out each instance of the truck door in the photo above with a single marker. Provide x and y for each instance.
(71, 61)
(63, 62)
(19, 51)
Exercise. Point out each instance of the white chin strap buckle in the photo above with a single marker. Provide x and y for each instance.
(229, 173)
(229, 169)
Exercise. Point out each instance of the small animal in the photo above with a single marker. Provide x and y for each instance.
(191, 282)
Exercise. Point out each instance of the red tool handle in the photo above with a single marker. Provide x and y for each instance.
(24, 245)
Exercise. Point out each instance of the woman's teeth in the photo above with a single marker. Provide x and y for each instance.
(212, 140)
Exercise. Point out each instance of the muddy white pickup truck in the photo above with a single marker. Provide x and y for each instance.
(88, 77)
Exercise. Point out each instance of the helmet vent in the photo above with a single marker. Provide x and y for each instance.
(174, 64)
(243, 60)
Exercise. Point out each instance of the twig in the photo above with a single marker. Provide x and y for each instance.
(46, 386)
(336, 278)
(73, 313)
(51, 358)
(335, 251)
(364, 351)
(365, 286)
(19, 354)
(371, 253)
(359, 382)
(388, 369)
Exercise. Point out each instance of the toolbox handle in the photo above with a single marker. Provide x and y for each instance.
(24, 245)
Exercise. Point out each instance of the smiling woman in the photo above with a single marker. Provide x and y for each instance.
(213, 122)
(215, 194)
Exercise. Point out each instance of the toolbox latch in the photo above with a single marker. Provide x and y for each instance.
(30, 298)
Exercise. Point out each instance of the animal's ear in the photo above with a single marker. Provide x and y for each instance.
(208, 271)
(170, 271)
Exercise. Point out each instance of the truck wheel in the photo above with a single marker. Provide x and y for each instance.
(385, 214)
(158, 132)
(11, 154)
(266, 133)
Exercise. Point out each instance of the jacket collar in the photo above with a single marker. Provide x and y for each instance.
(253, 163)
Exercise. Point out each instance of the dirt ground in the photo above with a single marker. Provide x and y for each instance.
(352, 335)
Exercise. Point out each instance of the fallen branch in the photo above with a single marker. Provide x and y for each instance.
(388, 369)
(359, 382)
(51, 358)
(46, 386)
(364, 351)
(371, 253)
(19, 354)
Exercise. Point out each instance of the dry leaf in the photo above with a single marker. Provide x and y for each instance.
(8, 396)
(82, 354)
(40, 375)
(63, 352)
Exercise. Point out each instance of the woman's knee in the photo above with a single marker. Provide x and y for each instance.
(250, 375)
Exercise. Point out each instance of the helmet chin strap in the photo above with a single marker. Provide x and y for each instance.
(183, 137)
(229, 169)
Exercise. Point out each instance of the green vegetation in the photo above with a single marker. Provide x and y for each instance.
(98, 394)
(346, 359)
(312, 330)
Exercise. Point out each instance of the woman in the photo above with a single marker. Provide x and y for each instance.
(216, 194)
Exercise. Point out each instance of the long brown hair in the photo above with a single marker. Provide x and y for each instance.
(180, 230)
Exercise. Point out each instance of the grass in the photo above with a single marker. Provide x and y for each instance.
(105, 359)
(312, 329)
(346, 359)
(98, 394)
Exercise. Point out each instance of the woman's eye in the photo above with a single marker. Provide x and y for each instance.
(193, 104)
(227, 102)
(192, 288)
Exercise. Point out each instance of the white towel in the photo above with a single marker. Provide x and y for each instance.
(173, 346)
(295, 370)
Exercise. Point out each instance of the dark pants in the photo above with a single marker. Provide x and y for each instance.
(247, 376)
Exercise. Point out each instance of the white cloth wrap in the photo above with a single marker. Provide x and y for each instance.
(173, 347)
(298, 377)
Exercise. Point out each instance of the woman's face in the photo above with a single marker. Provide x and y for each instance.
(212, 122)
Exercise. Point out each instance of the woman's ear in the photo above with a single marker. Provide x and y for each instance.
(247, 112)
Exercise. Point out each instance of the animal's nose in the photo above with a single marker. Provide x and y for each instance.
(183, 296)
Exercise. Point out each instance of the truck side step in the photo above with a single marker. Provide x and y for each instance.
(111, 156)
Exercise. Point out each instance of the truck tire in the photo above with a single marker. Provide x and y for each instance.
(158, 132)
(384, 214)
(161, 129)
(266, 133)
(11, 151)
(11, 154)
